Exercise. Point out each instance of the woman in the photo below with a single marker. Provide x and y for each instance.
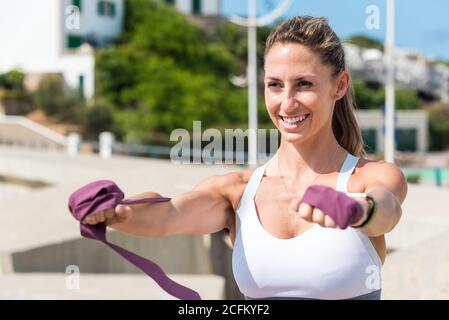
(284, 246)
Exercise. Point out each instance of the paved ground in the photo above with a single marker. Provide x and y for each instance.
(103, 286)
(416, 269)
(419, 266)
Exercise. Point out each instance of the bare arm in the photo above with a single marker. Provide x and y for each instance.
(388, 186)
(204, 210)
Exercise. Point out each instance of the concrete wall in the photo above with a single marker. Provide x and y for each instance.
(180, 254)
(17, 130)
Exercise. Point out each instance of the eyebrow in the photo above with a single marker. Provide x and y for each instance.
(296, 79)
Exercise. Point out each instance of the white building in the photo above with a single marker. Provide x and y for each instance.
(45, 36)
(197, 7)
(412, 69)
(411, 130)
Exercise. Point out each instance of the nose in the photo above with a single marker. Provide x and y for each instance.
(289, 102)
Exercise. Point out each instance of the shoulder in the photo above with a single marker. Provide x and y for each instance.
(227, 185)
(383, 173)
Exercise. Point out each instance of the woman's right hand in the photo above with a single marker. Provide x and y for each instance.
(121, 213)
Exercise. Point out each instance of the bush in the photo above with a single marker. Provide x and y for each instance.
(413, 178)
(56, 100)
(367, 97)
(407, 99)
(13, 95)
(439, 127)
(371, 98)
(12, 80)
(99, 118)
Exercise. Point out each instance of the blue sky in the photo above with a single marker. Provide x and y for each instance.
(420, 24)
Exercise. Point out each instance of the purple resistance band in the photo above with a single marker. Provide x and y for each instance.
(343, 209)
(105, 194)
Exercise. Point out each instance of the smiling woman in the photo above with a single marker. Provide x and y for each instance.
(293, 238)
(309, 57)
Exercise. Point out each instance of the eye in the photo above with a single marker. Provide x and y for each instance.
(305, 83)
(273, 84)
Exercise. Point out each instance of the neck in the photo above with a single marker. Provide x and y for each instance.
(303, 161)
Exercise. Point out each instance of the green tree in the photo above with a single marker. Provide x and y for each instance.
(365, 42)
(164, 73)
(367, 97)
(407, 99)
(374, 98)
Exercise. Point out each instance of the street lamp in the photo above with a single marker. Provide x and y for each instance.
(252, 22)
(389, 147)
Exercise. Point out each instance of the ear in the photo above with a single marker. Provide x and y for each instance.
(342, 84)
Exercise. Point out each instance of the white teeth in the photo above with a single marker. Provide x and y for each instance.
(293, 120)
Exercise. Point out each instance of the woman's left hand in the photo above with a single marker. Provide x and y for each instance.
(330, 208)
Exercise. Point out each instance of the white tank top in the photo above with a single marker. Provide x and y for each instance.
(321, 263)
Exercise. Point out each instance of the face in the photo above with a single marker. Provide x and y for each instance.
(300, 91)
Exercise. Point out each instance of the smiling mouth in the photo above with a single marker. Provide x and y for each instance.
(295, 120)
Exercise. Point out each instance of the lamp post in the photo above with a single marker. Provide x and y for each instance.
(252, 22)
(389, 146)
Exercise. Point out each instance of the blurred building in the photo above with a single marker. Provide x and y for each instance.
(411, 130)
(57, 37)
(197, 7)
(412, 70)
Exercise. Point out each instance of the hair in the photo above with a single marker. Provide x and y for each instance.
(317, 35)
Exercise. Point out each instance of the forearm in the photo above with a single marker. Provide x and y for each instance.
(388, 212)
(146, 220)
(190, 213)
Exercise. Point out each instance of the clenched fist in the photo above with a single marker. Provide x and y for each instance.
(330, 208)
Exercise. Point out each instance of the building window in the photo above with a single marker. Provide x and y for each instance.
(196, 6)
(106, 8)
(81, 86)
(74, 41)
(406, 139)
(77, 3)
(170, 2)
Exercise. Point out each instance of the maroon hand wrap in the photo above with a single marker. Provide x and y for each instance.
(337, 205)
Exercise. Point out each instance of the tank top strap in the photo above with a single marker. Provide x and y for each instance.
(252, 185)
(345, 173)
